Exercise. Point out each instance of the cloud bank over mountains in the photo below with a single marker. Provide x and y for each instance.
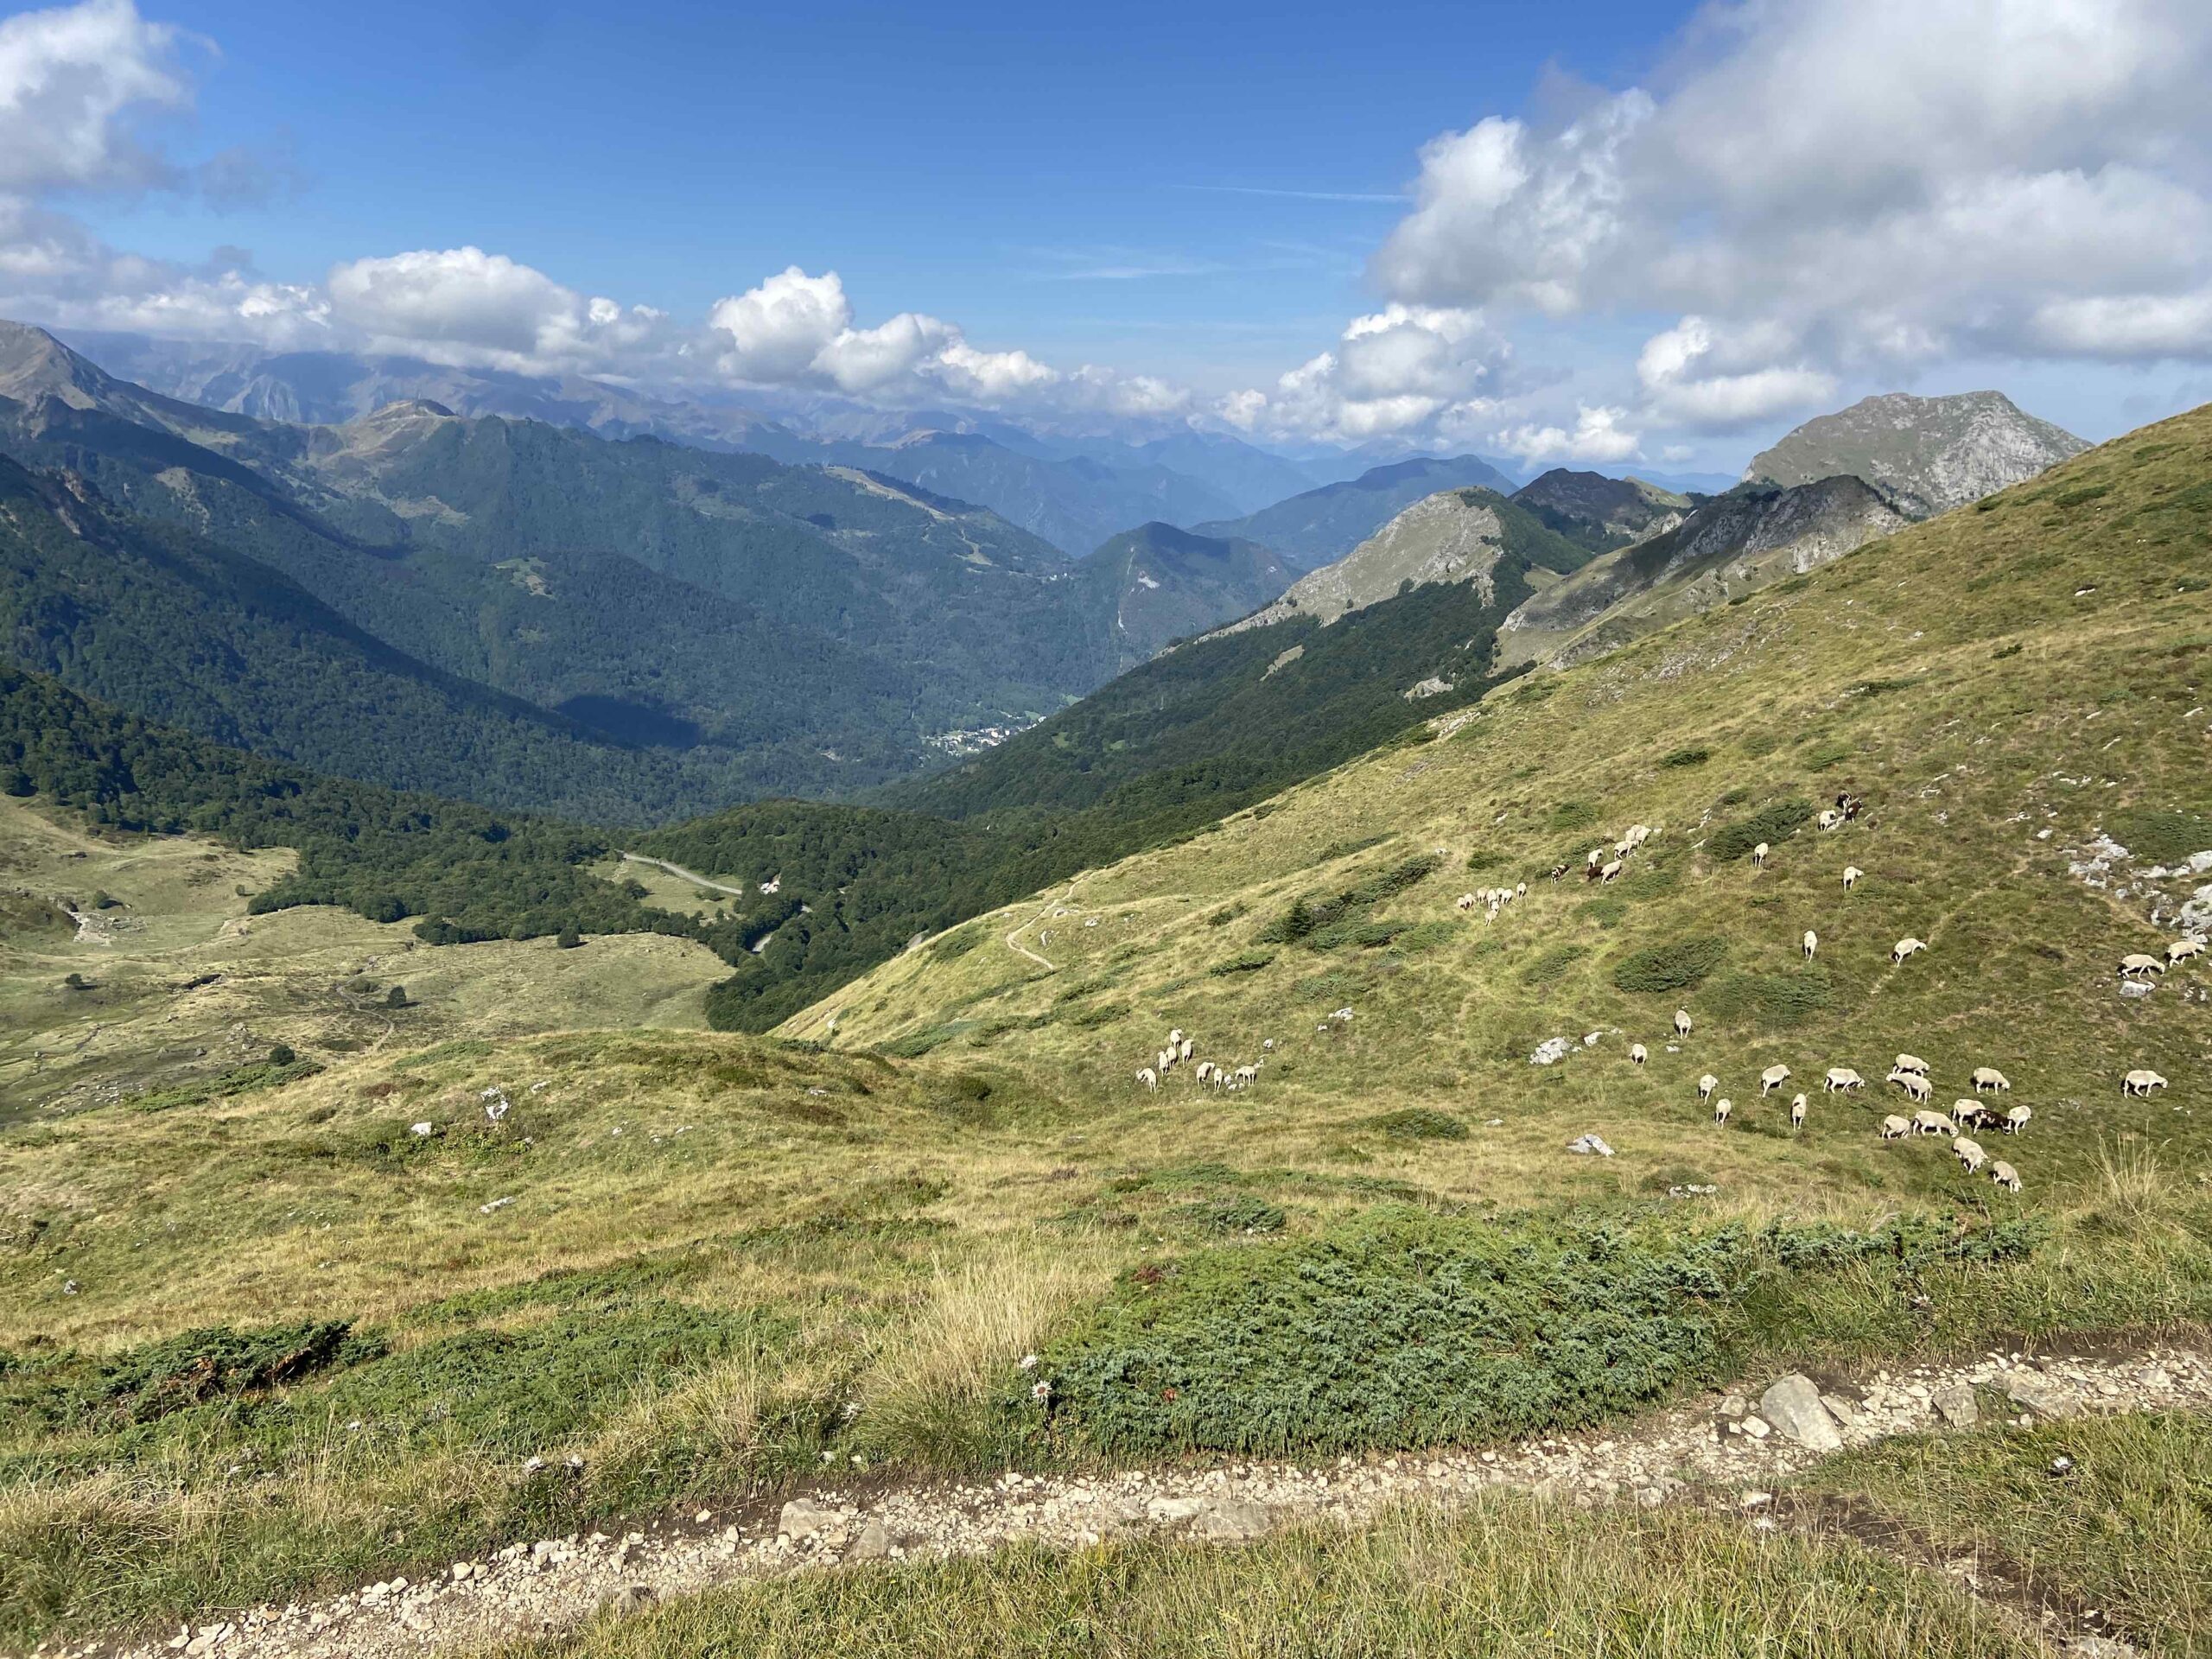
(1804, 195)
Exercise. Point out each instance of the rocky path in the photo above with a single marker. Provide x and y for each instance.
(682, 874)
(1725, 1450)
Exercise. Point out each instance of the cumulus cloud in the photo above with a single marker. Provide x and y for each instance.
(1402, 367)
(1598, 436)
(72, 78)
(1857, 185)
(464, 306)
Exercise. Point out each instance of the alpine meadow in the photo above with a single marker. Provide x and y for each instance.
(705, 964)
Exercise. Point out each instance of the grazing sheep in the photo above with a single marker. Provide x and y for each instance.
(1772, 1079)
(2135, 965)
(1722, 1108)
(1682, 1022)
(1797, 1113)
(1164, 1060)
(1969, 1154)
(1759, 855)
(1466, 901)
(2181, 949)
(1916, 1087)
(1597, 854)
(1204, 1072)
(1851, 874)
(1636, 1055)
(1970, 1113)
(1930, 1122)
(1989, 1077)
(1829, 818)
(1183, 1052)
(2015, 1119)
(1175, 1037)
(1706, 1086)
(1907, 947)
(1812, 943)
(1150, 1079)
(1221, 1076)
(2004, 1175)
(1248, 1074)
(1521, 891)
(2141, 1082)
(1841, 1077)
(1910, 1062)
(1895, 1128)
(1610, 871)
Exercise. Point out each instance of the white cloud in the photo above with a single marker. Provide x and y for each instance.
(467, 307)
(70, 80)
(1393, 371)
(1864, 184)
(1598, 436)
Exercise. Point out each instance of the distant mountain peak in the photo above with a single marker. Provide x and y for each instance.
(33, 363)
(405, 408)
(1927, 454)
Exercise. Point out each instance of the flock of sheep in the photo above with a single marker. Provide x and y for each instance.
(1177, 1053)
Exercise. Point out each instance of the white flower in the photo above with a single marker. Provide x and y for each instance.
(1029, 1362)
(1040, 1392)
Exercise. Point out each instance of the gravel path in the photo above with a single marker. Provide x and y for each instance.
(682, 874)
(1721, 1449)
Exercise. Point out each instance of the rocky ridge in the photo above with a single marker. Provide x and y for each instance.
(1728, 1451)
(1927, 454)
(1452, 536)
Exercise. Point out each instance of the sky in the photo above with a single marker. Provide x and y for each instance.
(1621, 234)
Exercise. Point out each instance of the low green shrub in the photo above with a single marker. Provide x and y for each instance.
(1419, 1123)
(958, 943)
(1552, 966)
(2153, 836)
(1776, 1001)
(1244, 962)
(1686, 758)
(1772, 824)
(1676, 965)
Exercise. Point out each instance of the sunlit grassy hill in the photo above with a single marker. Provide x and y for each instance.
(2005, 685)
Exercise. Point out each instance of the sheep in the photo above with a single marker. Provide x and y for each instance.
(1989, 1077)
(1968, 1153)
(1969, 1113)
(1706, 1086)
(1269, 1046)
(1610, 871)
(1248, 1074)
(1916, 1087)
(1221, 1076)
(2015, 1119)
(2181, 949)
(1910, 1062)
(1204, 1071)
(1183, 1052)
(1466, 901)
(1797, 1113)
(1759, 855)
(2004, 1175)
(1930, 1122)
(1722, 1108)
(1895, 1128)
(1812, 943)
(1851, 874)
(1596, 854)
(1829, 818)
(1682, 1022)
(1842, 1077)
(2135, 965)
(1636, 1054)
(1175, 1037)
(1521, 891)
(1772, 1079)
(1907, 947)
(2141, 1082)
(1150, 1079)
(1164, 1060)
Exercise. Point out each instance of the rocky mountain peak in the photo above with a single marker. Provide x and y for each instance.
(1927, 454)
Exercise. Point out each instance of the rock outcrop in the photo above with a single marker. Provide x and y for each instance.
(1927, 455)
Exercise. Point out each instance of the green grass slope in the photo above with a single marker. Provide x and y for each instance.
(2005, 685)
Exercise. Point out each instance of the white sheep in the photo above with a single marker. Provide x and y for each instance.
(1164, 1060)
(1722, 1108)
(1929, 1121)
(1772, 1079)
(1895, 1128)
(1248, 1074)
(1989, 1077)
(1682, 1022)
(1150, 1079)
(2015, 1119)
(1204, 1072)
(1829, 818)
(1595, 854)
(1970, 1113)
(1759, 855)
(1466, 901)
(1175, 1037)
(1797, 1113)
(1183, 1052)
(1706, 1086)
(2004, 1175)
(1907, 947)
(1636, 1054)
(1812, 943)
(1221, 1076)
(1269, 1046)
(2183, 949)
(1916, 1087)
(1609, 871)
(2135, 965)
(1969, 1153)
(1909, 1063)
(1851, 874)
(1840, 1077)
(2141, 1082)
(1521, 891)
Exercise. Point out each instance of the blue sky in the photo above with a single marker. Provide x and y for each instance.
(1622, 234)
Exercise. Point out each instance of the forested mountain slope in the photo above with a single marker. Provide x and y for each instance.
(1161, 584)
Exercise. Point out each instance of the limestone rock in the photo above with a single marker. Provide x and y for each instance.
(1792, 1404)
(2046, 1396)
(1230, 1518)
(1954, 1404)
(805, 1518)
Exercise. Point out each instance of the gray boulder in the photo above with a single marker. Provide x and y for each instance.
(1231, 1519)
(2046, 1396)
(1954, 1403)
(805, 1518)
(1792, 1404)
